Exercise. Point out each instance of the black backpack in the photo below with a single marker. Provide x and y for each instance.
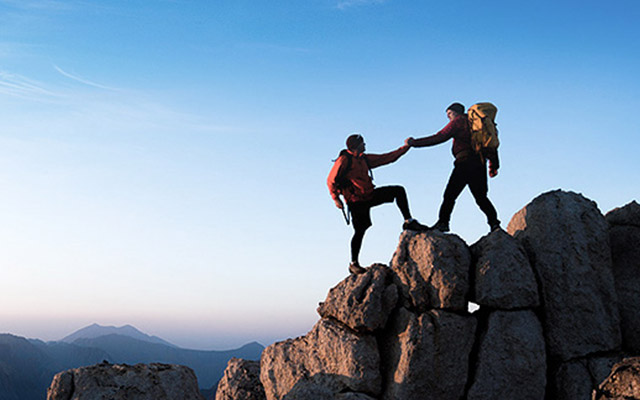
(341, 179)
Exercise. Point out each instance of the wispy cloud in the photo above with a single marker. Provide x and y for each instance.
(25, 88)
(83, 80)
(344, 4)
(49, 5)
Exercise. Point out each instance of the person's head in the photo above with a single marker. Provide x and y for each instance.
(454, 110)
(355, 143)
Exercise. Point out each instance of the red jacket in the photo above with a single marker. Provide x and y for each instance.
(362, 186)
(459, 130)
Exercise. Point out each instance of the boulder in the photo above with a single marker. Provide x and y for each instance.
(511, 361)
(600, 366)
(622, 383)
(363, 302)
(312, 391)
(432, 270)
(503, 278)
(567, 241)
(426, 356)
(241, 380)
(331, 356)
(624, 234)
(121, 381)
(627, 215)
(572, 381)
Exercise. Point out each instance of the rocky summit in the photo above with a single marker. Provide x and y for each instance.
(557, 316)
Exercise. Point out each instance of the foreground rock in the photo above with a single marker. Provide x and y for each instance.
(241, 380)
(511, 361)
(363, 302)
(578, 378)
(625, 248)
(623, 383)
(503, 275)
(627, 215)
(432, 270)
(121, 381)
(567, 240)
(331, 358)
(426, 356)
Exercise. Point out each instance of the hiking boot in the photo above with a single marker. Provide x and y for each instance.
(355, 268)
(441, 226)
(495, 226)
(414, 225)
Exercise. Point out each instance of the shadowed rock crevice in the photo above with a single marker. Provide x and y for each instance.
(482, 318)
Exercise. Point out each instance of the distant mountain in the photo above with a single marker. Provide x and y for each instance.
(27, 366)
(208, 365)
(94, 331)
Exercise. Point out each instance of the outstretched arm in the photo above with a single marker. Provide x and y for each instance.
(377, 160)
(445, 134)
(426, 141)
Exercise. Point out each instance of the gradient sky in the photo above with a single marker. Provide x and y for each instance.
(163, 162)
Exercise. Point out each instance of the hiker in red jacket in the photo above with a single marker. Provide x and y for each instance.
(469, 168)
(350, 178)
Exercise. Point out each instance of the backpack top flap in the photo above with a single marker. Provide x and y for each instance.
(484, 133)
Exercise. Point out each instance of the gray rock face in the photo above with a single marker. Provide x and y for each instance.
(432, 270)
(503, 275)
(511, 361)
(567, 240)
(625, 248)
(330, 356)
(363, 302)
(426, 356)
(627, 215)
(572, 381)
(623, 383)
(121, 381)
(241, 380)
(312, 391)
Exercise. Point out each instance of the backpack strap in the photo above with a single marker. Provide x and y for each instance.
(345, 168)
(343, 171)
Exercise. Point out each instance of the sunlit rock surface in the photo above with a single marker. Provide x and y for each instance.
(363, 302)
(330, 355)
(241, 380)
(432, 270)
(121, 381)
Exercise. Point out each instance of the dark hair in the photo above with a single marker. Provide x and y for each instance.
(456, 108)
(354, 141)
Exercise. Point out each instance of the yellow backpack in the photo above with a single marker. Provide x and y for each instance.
(482, 121)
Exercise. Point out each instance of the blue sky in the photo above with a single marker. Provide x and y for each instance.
(163, 163)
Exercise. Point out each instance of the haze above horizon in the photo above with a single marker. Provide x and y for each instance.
(163, 164)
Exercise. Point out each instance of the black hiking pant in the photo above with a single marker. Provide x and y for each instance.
(361, 213)
(473, 172)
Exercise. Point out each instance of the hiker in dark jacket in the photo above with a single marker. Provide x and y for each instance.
(469, 168)
(350, 178)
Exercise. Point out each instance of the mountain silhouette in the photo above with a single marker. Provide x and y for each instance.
(27, 366)
(94, 331)
(208, 365)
